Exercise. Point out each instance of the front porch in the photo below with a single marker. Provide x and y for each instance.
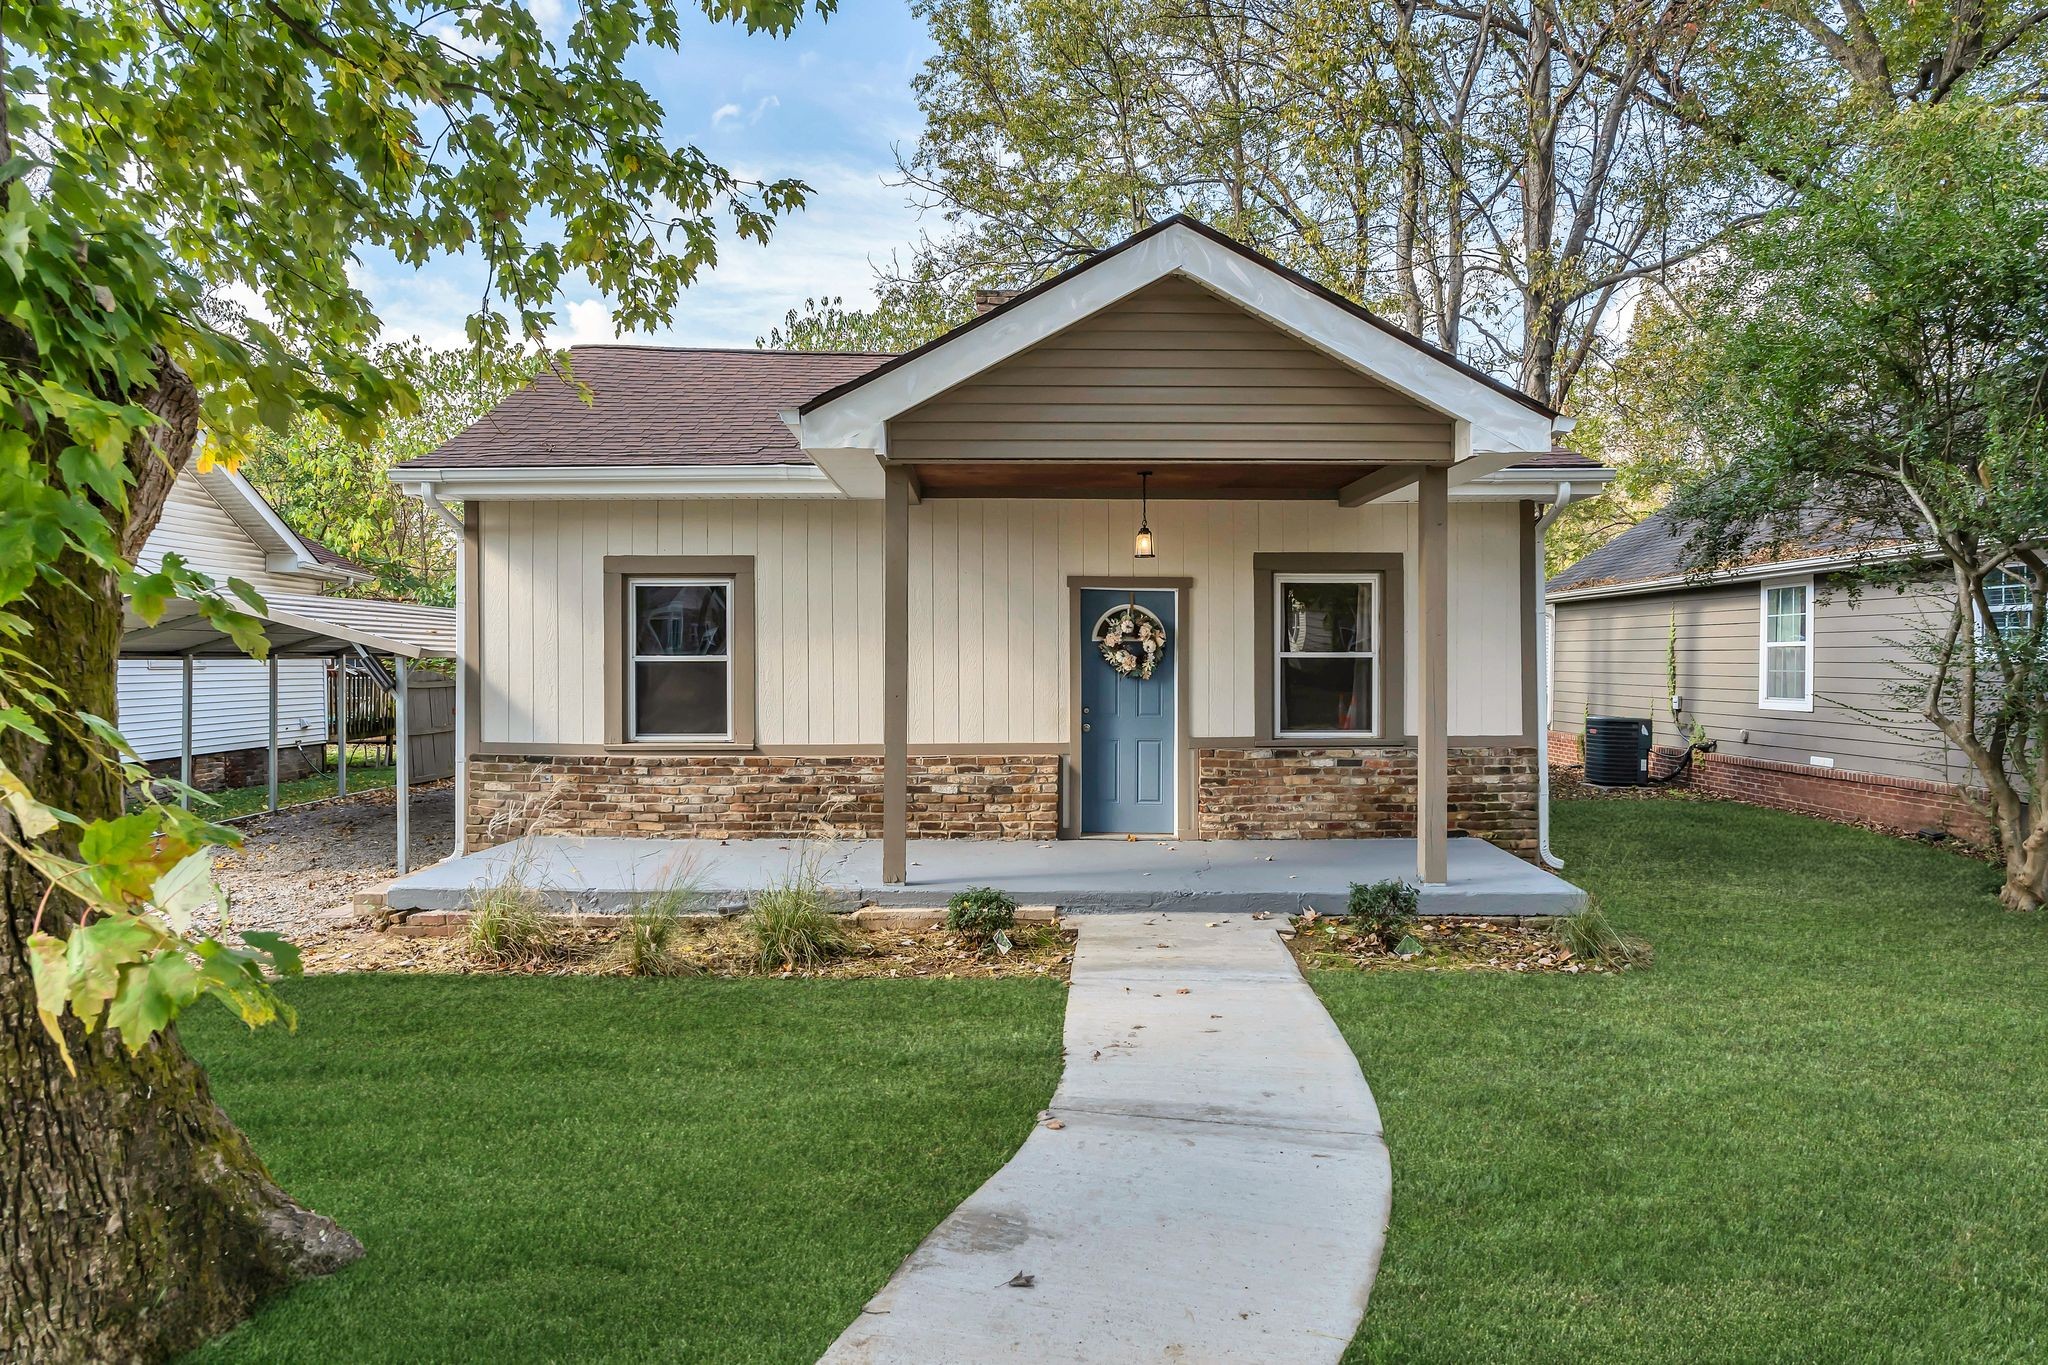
(1079, 876)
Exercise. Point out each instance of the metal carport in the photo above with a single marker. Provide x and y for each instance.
(297, 626)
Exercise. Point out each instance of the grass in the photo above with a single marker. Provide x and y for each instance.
(1815, 1129)
(362, 777)
(621, 1169)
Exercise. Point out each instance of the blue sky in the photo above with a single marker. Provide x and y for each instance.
(828, 105)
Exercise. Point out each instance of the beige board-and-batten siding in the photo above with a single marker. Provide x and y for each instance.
(1610, 659)
(990, 653)
(1172, 373)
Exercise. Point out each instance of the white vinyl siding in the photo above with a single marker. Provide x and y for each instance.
(231, 697)
(990, 652)
(1785, 646)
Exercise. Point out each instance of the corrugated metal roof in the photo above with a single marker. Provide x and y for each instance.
(297, 624)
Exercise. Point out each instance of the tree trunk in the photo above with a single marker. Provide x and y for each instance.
(135, 1220)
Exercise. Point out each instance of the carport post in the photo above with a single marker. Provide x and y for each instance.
(273, 729)
(402, 745)
(185, 733)
(341, 725)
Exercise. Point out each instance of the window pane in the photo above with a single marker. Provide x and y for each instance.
(2012, 602)
(1785, 676)
(679, 619)
(1786, 612)
(679, 698)
(1327, 618)
(1326, 695)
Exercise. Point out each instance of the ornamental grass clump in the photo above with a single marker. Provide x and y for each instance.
(1591, 938)
(650, 944)
(983, 916)
(507, 926)
(793, 924)
(1383, 911)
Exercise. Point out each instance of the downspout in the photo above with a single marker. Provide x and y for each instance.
(1540, 625)
(426, 494)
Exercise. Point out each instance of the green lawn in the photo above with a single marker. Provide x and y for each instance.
(234, 801)
(609, 1169)
(1816, 1130)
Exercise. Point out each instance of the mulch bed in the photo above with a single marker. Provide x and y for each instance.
(1446, 945)
(717, 947)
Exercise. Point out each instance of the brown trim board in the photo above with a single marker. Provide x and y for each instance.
(617, 569)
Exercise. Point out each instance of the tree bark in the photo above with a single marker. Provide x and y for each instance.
(135, 1219)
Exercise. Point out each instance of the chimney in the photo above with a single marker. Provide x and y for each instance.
(986, 299)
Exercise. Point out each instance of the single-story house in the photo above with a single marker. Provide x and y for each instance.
(1177, 544)
(219, 524)
(1790, 677)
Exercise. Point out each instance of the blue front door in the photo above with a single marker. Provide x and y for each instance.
(1127, 725)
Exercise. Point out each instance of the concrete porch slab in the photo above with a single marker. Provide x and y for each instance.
(1080, 876)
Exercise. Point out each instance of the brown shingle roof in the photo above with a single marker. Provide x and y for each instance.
(1557, 459)
(654, 405)
(330, 558)
(1654, 550)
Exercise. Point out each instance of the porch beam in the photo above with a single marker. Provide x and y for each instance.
(1432, 742)
(898, 489)
(1376, 485)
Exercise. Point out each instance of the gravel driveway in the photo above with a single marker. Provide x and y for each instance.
(296, 870)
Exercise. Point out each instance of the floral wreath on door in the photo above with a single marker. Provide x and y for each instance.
(1132, 640)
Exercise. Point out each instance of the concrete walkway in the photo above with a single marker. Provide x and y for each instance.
(1217, 1190)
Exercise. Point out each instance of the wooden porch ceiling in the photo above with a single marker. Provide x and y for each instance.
(1321, 481)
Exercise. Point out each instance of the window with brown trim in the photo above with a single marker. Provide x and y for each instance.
(679, 650)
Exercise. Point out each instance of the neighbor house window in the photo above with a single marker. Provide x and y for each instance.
(1326, 665)
(680, 676)
(1785, 661)
(2010, 596)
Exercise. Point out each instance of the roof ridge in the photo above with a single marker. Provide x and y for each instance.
(721, 350)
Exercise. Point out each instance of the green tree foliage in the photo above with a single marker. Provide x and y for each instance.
(1877, 358)
(907, 313)
(184, 185)
(337, 488)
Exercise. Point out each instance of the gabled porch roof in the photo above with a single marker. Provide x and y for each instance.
(846, 429)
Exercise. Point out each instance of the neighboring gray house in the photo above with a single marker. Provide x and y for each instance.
(1790, 676)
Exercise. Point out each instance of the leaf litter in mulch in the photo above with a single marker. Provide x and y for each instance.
(1435, 945)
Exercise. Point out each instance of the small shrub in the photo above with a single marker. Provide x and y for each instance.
(649, 947)
(506, 926)
(1383, 911)
(793, 925)
(980, 913)
(1591, 938)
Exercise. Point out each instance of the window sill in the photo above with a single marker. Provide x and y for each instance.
(1806, 705)
(679, 746)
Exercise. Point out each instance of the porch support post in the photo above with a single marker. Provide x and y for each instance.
(401, 746)
(272, 669)
(1432, 740)
(185, 731)
(341, 725)
(896, 675)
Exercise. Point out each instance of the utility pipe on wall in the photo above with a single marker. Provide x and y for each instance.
(1541, 626)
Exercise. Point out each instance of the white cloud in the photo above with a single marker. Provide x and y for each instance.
(551, 15)
(724, 113)
(585, 321)
(762, 106)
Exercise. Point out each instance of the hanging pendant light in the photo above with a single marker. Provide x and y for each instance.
(1144, 546)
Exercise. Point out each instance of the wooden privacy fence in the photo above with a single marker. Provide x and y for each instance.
(372, 716)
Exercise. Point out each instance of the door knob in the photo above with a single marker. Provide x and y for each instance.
(1085, 727)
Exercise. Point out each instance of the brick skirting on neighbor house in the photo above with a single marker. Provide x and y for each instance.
(241, 767)
(1361, 793)
(1903, 805)
(755, 796)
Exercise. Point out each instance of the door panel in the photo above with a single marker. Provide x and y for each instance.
(1128, 743)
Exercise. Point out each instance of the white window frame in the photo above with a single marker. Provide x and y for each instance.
(1764, 645)
(2012, 576)
(634, 658)
(1376, 620)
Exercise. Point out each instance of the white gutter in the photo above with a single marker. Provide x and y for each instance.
(1784, 568)
(1564, 497)
(620, 481)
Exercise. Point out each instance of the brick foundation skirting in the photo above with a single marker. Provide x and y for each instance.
(242, 767)
(1361, 793)
(1903, 805)
(758, 796)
